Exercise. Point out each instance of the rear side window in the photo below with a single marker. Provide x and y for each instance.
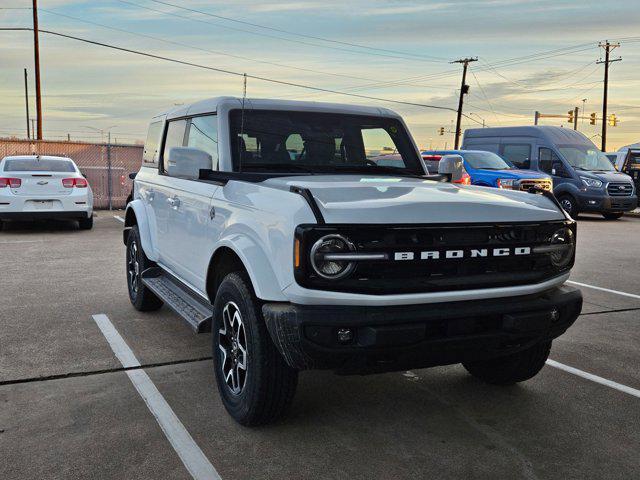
(547, 158)
(518, 154)
(38, 165)
(203, 135)
(149, 156)
(174, 138)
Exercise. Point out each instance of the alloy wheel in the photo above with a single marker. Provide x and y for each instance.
(133, 267)
(233, 348)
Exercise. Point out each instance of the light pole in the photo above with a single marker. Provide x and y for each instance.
(584, 101)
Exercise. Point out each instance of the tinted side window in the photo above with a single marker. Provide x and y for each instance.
(151, 144)
(174, 138)
(203, 135)
(546, 159)
(518, 154)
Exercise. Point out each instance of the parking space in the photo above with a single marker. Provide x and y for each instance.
(69, 409)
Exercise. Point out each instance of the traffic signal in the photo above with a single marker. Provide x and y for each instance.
(441, 130)
(570, 116)
(613, 120)
(592, 119)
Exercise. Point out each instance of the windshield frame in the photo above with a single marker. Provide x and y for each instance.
(403, 143)
(603, 160)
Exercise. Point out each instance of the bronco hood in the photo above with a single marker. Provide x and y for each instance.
(400, 200)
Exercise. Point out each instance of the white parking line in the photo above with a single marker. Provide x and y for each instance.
(617, 292)
(119, 218)
(594, 378)
(187, 449)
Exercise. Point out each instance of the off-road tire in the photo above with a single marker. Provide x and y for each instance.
(269, 383)
(569, 204)
(141, 297)
(86, 223)
(510, 369)
(612, 216)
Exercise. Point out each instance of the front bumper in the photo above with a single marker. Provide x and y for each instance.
(598, 203)
(416, 336)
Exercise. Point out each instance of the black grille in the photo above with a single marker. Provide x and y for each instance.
(620, 189)
(416, 275)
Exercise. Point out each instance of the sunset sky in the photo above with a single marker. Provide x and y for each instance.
(533, 55)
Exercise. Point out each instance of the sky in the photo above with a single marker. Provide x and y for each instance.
(532, 55)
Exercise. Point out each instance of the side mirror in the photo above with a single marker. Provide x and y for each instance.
(186, 162)
(83, 174)
(452, 166)
(132, 175)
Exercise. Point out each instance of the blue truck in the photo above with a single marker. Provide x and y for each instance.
(490, 170)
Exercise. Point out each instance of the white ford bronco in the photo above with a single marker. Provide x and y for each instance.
(281, 228)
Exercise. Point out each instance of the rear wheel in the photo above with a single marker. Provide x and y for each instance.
(612, 216)
(569, 204)
(510, 369)
(255, 383)
(86, 223)
(1, 225)
(141, 297)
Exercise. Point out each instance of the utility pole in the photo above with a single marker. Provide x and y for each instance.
(608, 48)
(26, 101)
(575, 118)
(36, 58)
(33, 128)
(464, 88)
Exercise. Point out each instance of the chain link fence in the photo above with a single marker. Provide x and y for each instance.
(106, 166)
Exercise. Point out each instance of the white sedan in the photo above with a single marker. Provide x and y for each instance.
(39, 186)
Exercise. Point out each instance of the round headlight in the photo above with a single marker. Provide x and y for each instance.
(565, 245)
(333, 268)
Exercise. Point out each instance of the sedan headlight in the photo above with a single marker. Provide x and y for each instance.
(506, 183)
(591, 182)
(326, 257)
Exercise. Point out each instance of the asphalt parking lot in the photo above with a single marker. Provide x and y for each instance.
(69, 410)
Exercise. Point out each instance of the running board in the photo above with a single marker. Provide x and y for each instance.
(196, 311)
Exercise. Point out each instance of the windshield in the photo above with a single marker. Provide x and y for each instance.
(38, 165)
(281, 141)
(583, 157)
(486, 161)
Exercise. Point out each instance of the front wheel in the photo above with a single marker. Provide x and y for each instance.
(612, 216)
(255, 383)
(569, 204)
(513, 368)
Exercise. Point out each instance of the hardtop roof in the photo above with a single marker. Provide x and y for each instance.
(211, 105)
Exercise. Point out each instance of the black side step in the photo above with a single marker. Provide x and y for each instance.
(196, 311)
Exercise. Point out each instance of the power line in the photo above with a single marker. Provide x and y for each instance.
(300, 42)
(289, 32)
(230, 72)
(171, 42)
(484, 95)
